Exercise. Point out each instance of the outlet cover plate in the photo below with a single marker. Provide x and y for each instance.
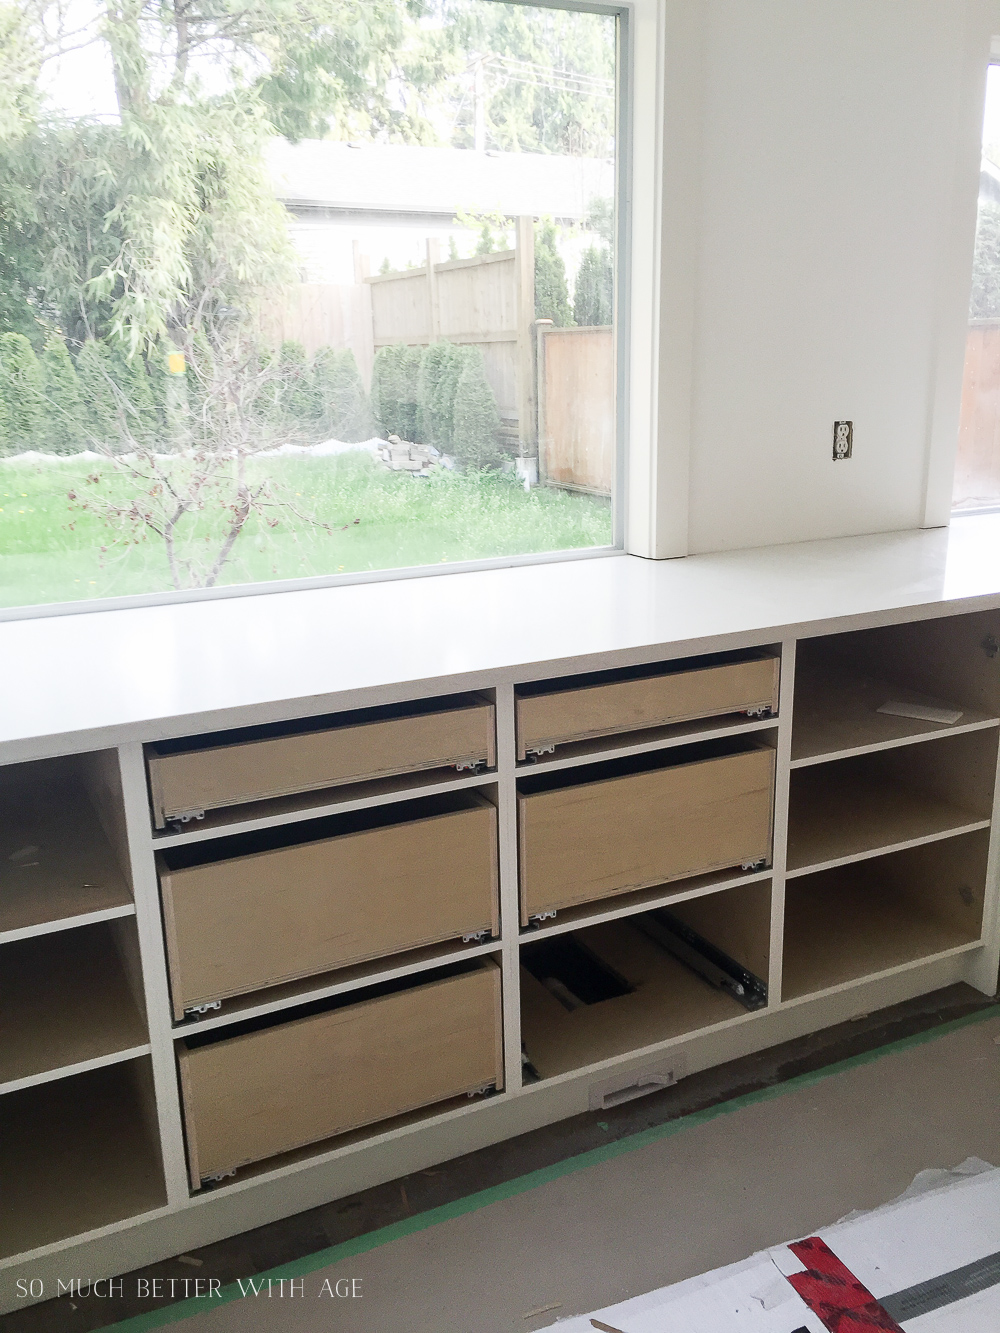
(843, 440)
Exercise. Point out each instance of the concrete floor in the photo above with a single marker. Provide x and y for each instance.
(714, 1191)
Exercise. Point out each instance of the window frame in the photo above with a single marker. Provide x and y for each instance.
(994, 508)
(638, 104)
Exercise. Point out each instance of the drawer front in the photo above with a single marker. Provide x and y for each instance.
(236, 926)
(609, 837)
(271, 1091)
(630, 705)
(260, 770)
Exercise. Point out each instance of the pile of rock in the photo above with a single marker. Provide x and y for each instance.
(405, 456)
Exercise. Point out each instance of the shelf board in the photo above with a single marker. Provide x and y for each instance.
(852, 927)
(625, 743)
(66, 1002)
(836, 715)
(835, 818)
(643, 900)
(57, 868)
(317, 804)
(276, 998)
(74, 1156)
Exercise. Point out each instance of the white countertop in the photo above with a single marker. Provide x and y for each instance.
(80, 681)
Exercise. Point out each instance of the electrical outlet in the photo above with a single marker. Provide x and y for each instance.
(843, 440)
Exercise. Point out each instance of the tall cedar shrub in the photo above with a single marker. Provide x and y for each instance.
(297, 393)
(137, 418)
(477, 418)
(593, 295)
(440, 405)
(551, 289)
(432, 425)
(64, 428)
(394, 390)
(22, 386)
(100, 406)
(386, 388)
(409, 376)
(343, 403)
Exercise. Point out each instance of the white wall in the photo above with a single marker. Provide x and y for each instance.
(822, 268)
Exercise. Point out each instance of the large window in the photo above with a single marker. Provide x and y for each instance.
(977, 470)
(302, 290)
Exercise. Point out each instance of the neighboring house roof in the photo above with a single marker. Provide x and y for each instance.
(989, 181)
(434, 182)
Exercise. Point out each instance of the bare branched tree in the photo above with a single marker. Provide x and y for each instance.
(192, 484)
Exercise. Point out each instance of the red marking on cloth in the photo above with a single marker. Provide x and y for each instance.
(834, 1294)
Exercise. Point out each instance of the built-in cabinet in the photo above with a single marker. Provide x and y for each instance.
(237, 956)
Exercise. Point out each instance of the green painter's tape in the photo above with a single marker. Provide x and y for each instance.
(348, 1249)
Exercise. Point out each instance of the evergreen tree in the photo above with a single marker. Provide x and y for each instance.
(593, 296)
(451, 373)
(100, 406)
(477, 418)
(344, 410)
(394, 390)
(433, 426)
(136, 402)
(386, 389)
(409, 377)
(22, 387)
(551, 290)
(487, 241)
(64, 429)
(297, 392)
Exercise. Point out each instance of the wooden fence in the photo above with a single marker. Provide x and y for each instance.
(322, 314)
(977, 469)
(487, 301)
(554, 387)
(576, 407)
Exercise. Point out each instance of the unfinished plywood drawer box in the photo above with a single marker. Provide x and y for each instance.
(259, 763)
(607, 702)
(264, 1092)
(378, 882)
(628, 824)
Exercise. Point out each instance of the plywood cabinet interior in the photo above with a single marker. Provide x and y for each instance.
(278, 760)
(265, 1092)
(365, 885)
(58, 864)
(572, 1018)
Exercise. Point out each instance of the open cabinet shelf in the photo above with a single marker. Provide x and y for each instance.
(58, 868)
(612, 988)
(836, 713)
(842, 680)
(852, 922)
(852, 808)
(78, 1154)
(68, 999)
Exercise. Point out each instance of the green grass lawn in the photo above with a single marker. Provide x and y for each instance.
(51, 549)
